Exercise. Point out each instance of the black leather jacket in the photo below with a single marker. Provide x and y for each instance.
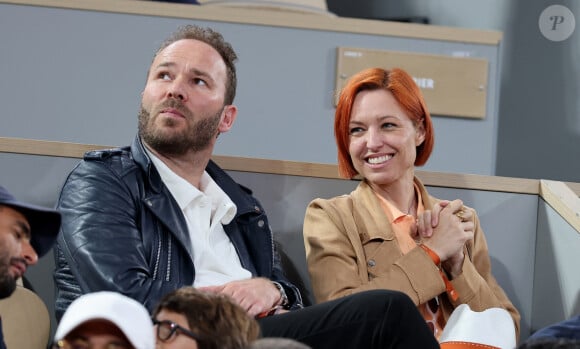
(123, 231)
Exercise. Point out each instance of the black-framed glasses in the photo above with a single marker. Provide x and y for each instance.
(81, 343)
(166, 329)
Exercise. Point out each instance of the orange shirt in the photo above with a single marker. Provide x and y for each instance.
(404, 226)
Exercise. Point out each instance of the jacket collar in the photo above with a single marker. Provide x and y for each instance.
(241, 196)
(142, 159)
(368, 210)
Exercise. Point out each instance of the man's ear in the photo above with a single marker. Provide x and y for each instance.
(229, 115)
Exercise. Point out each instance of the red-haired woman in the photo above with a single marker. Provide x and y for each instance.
(389, 233)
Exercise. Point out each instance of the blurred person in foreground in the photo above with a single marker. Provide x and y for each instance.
(189, 318)
(27, 232)
(105, 320)
(550, 343)
(566, 329)
(277, 343)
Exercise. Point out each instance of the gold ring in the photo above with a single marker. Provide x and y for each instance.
(459, 214)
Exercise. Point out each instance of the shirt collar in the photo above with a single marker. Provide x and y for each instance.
(184, 192)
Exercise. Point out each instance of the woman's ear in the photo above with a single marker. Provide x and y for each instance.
(419, 133)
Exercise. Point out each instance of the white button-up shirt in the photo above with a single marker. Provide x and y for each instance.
(206, 210)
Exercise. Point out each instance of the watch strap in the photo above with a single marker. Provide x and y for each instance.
(283, 297)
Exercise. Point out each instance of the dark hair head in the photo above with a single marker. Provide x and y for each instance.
(406, 92)
(215, 318)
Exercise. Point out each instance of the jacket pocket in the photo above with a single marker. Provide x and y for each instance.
(378, 255)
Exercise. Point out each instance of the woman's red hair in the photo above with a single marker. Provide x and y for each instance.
(407, 94)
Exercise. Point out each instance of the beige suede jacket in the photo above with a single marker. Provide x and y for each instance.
(350, 247)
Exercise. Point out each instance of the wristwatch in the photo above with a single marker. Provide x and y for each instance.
(283, 297)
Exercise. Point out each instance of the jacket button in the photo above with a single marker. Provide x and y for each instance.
(256, 208)
(371, 263)
(149, 203)
(261, 223)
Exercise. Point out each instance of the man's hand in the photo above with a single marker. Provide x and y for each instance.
(255, 295)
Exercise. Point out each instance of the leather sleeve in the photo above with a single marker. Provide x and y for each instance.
(278, 275)
(101, 238)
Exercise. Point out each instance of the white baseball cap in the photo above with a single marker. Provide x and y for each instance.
(130, 316)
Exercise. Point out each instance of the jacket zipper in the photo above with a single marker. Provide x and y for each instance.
(168, 271)
(158, 256)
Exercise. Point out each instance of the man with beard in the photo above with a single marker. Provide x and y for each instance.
(152, 217)
(27, 232)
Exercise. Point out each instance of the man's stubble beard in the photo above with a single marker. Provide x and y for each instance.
(7, 282)
(196, 137)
